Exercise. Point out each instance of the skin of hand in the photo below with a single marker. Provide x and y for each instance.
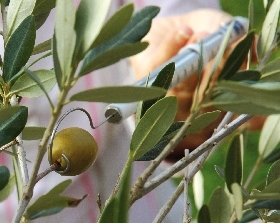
(166, 37)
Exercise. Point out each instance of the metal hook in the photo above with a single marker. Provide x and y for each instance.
(55, 130)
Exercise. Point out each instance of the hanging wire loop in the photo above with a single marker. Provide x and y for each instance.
(55, 130)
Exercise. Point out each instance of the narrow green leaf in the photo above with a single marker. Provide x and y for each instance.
(270, 204)
(268, 32)
(202, 121)
(248, 216)
(123, 94)
(204, 215)
(19, 48)
(238, 200)
(42, 47)
(17, 177)
(111, 56)
(273, 187)
(269, 135)
(90, 17)
(33, 133)
(229, 101)
(25, 86)
(162, 80)
(49, 203)
(56, 64)
(135, 30)
(18, 11)
(219, 206)
(273, 173)
(153, 126)
(266, 94)
(4, 176)
(156, 150)
(65, 35)
(246, 75)
(273, 156)
(237, 57)
(271, 72)
(110, 212)
(114, 25)
(8, 189)
(43, 6)
(12, 121)
(233, 168)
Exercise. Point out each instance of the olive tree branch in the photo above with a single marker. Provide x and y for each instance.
(207, 145)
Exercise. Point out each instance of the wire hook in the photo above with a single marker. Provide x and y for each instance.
(55, 130)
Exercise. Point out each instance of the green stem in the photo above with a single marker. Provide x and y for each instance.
(256, 167)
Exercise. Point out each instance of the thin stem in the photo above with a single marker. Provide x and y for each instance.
(186, 190)
(207, 145)
(8, 145)
(52, 168)
(253, 172)
(169, 204)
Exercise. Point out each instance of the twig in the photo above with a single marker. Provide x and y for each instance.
(52, 167)
(169, 204)
(8, 145)
(208, 144)
(186, 189)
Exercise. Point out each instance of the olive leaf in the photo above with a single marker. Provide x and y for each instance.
(116, 94)
(204, 215)
(8, 189)
(273, 173)
(42, 10)
(128, 39)
(42, 47)
(271, 72)
(52, 202)
(233, 168)
(18, 11)
(153, 126)
(12, 121)
(4, 176)
(19, 48)
(25, 86)
(33, 132)
(90, 17)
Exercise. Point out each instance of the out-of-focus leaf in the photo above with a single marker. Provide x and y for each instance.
(65, 35)
(25, 86)
(246, 75)
(4, 176)
(273, 217)
(268, 32)
(42, 47)
(152, 126)
(273, 156)
(219, 206)
(114, 25)
(266, 94)
(123, 94)
(162, 80)
(238, 199)
(274, 172)
(41, 19)
(18, 11)
(233, 168)
(112, 56)
(204, 215)
(229, 101)
(33, 133)
(8, 189)
(237, 57)
(43, 6)
(52, 202)
(248, 216)
(273, 187)
(269, 204)
(156, 150)
(271, 72)
(56, 64)
(135, 30)
(90, 17)
(269, 137)
(202, 121)
(19, 48)
(12, 121)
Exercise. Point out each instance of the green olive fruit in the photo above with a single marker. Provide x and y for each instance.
(78, 146)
